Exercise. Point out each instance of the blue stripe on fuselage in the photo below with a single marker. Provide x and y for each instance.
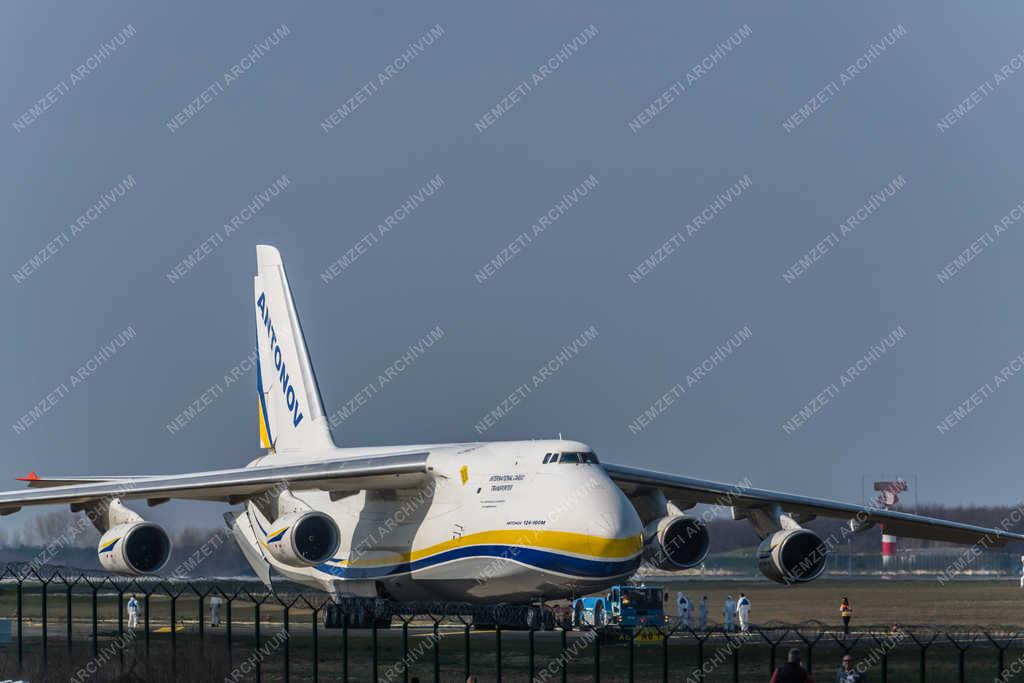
(542, 559)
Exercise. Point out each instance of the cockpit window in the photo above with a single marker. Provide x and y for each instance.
(587, 458)
(547, 456)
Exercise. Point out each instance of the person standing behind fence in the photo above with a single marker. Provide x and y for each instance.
(729, 613)
(845, 612)
(848, 674)
(791, 671)
(743, 612)
(683, 609)
(215, 602)
(133, 612)
(702, 613)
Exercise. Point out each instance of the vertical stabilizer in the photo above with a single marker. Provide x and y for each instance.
(291, 410)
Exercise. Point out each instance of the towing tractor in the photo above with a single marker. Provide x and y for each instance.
(628, 606)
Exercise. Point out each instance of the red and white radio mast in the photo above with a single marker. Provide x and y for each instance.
(888, 497)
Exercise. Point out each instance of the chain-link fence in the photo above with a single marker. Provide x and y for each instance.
(73, 625)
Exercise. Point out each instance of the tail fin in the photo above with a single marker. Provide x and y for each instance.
(291, 410)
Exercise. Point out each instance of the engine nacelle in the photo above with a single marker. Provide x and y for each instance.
(303, 539)
(675, 542)
(792, 556)
(134, 548)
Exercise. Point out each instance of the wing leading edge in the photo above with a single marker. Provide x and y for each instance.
(377, 472)
(635, 481)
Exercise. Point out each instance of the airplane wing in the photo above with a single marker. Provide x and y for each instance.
(635, 481)
(35, 481)
(376, 472)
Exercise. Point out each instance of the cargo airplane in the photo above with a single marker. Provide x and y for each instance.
(513, 521)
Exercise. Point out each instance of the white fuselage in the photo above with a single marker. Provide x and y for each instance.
(493, 524)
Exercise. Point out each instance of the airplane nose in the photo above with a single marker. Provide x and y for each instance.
(614, 523)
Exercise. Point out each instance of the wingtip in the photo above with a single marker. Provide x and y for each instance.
(31, 476)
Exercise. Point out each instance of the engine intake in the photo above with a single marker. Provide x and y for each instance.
(676, 542)
(134, 548)
(792, 556)
(303, 539)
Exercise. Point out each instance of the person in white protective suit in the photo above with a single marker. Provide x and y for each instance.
(729, 613)
(743, 612)
(215, 603)
(133, 612)
(683, 607)
(702, 613)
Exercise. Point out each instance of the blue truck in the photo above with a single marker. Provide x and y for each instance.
(628, 606)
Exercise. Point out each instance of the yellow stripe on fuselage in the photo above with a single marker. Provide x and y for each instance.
(542, 539)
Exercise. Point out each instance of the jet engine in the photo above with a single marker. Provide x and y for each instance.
(134, 548)
(303, 539)
(792, 556)
(675, 542)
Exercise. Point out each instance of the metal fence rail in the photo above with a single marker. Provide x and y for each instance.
(66, 622)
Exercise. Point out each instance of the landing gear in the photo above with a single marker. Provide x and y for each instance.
(378, 612)
(360, 615)
(534, 617)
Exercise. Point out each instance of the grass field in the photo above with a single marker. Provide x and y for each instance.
(875, 602)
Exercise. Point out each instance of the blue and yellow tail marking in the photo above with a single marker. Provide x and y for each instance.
(266, 440)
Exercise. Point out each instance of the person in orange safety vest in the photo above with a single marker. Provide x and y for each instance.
(845, 611)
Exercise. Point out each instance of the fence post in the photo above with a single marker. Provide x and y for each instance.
(632, 648)
(531, 653)
(20, 644)
(95, 626)
(202, 621)
(228, 625)
(145, 607)
(1001, 648)
(68, 616)
(256, 635)
(287, 645)
(736, 662)
(437, 652)
(810, 647)
(922, 658)
(961, 652)
(174, 632)
(565, 660)
(405, 650)
(664, 656)
(466, 653)
(373, 645)
(497, 652)
(44, 621)
(700, 657)
(774, 647)
(344, 648)
(120, 624)
(597, 655)
(316, 645)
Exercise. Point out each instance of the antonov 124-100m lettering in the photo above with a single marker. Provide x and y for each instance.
(515, 521)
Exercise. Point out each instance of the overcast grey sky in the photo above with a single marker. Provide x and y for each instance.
(182, 115)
